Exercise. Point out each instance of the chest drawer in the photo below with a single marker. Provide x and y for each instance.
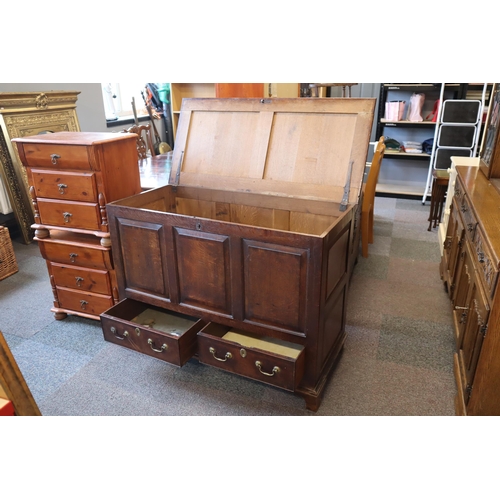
(76, 186)
(56, 156)
(265, 359)
(163, 334)
(69, 214)
(75, 253)
(85, 302)
(81, 278)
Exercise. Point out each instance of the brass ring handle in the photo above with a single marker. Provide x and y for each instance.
(62, 187)
(226, 357)
(125, 333)
(54, 159)
(67, 216)
(164, 347)
(276, 370)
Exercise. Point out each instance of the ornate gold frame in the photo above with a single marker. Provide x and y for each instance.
(23, 114)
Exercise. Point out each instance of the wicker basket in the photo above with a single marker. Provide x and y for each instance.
(8, 263)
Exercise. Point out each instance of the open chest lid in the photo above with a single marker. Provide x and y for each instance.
(311, 148)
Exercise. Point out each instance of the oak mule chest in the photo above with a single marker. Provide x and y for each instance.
(244, 259)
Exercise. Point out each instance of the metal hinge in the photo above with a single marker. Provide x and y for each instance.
(178, 173)
(468, 390)
(347, 187)
(483, 330)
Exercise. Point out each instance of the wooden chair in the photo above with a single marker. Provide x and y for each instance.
(145, 146)
(369, 197)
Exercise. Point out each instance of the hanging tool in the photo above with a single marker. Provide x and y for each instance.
(160, 147)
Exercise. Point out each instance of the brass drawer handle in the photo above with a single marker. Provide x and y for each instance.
(78, 281)
(54, 159)
(276, 370)
(67, 216)
(83, 304)
(72, 257)
(125, 334)
(62, 187)
(226, 357)
(164, 347)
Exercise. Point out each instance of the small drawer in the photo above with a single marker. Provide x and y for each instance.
(83, 255)
(485, 262)
(69, 214)
(56, 156)
(265, 359)
(75, 186)
(470, 222)
(157, 332)
(81, 278)
(84, 302)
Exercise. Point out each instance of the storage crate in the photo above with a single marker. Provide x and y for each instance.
(8, 263)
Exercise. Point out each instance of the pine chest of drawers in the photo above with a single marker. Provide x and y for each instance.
(254, 235)
(72, 175)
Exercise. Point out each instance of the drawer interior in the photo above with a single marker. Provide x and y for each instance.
(249, 340)
(151, 317)
(312, 217)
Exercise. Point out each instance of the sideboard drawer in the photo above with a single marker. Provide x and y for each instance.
(163, 334)
(81, 278)
(65, 214)
(265, 359)
(56, 156)
(76, 186)
(84, 302)
(485, 262)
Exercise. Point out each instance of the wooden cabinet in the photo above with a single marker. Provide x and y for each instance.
(470, 267)
(254, 234)
(72, 175)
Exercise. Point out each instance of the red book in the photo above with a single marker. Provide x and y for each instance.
(6, 408)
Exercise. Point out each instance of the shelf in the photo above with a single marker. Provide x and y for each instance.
(400, 189)
(406, 123)
(406, 156)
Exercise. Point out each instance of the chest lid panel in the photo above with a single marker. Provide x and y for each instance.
(301, 147)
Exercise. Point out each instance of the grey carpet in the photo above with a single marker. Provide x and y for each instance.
(397, 360)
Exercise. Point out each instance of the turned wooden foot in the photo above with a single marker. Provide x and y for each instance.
(42, 233)
(60, 315)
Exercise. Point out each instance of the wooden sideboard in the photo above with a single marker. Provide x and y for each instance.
(252, 243)
(470, 267)
(72, 175)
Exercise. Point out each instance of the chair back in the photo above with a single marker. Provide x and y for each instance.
(371, 182)
(145, 146)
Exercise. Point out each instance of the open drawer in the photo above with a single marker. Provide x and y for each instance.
(166, 335)
(266, 359)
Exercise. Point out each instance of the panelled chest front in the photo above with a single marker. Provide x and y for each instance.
(254, 234)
